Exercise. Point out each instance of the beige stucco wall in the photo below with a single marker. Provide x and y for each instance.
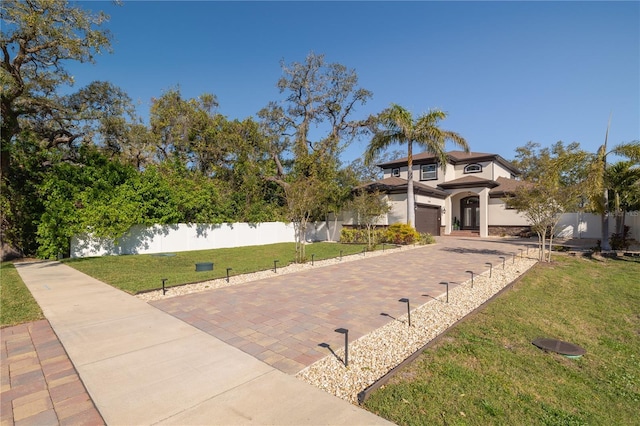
(398, 211)
(501, 216)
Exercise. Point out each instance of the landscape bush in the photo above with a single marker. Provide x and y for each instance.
(401, 233)
(359, 236)
(427, 238)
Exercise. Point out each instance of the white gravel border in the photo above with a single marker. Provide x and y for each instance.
(375, 354)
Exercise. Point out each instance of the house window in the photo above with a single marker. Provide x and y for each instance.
(473, 168)
(395, 172)
(429, 172)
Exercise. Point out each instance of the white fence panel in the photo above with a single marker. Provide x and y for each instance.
(188, 237)
(588, 225)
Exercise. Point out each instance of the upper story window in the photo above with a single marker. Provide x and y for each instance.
(395, 172)
(473, 168)
(429, 172)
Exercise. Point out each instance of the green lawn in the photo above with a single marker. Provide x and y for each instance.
(486, 371)
(136, 273)
(16, 303)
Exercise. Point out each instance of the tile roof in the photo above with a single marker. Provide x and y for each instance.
(398, 184)
(507, 186)
(468, 182)
(455, 157)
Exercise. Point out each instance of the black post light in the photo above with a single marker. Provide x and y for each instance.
(346, 344)
(490, 268)
(405, 300)
(447, 284)
(471, 272)
(312, 256)
(520, 253)
(228, 269)
(275, 266)
(502, 257)
(164, 291)
(340, 254)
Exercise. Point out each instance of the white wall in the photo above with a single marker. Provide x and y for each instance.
(188, 237)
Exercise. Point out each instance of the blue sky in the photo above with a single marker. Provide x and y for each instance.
(506, 72)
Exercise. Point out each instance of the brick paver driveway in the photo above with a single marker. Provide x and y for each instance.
(287, 321)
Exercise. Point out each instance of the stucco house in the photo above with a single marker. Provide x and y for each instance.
(466, 196)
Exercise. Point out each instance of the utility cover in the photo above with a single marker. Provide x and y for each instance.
(559, 346)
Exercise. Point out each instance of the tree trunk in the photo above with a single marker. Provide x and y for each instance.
(411, 212)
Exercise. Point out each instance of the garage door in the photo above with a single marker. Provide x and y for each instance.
(428, 219)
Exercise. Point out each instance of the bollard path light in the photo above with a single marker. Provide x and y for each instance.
(470, 272)
(502, 257)
(275, 266)
(447, 284)
(383, 247)
(346, 344)
(490, 268)
(164, 291)
(364, 251)
(513, 257)
(228, 269)
(340, 254)
(405, 300)
(520, 253)
(312, 256)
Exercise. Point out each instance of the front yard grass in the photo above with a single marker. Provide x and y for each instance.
(137, 273)
(17, 305)
(486, 371)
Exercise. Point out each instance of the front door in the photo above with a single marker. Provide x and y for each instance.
(470, 208)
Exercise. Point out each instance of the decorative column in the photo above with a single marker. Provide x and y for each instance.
(484, 212)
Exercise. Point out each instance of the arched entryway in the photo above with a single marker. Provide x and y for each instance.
(470, 213)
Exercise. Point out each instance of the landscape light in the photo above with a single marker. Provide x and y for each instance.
(470, 272)
(405, 300)
(447, 284)
(346, 344)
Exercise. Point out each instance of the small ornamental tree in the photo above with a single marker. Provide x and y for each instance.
(543, 205)
(368, 208)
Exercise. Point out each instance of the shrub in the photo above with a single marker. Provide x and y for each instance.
(426, 238)
(621, 241)
(401, 233)
(359, 236)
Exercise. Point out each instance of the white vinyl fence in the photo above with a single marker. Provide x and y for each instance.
(187, 237)
(587, 225)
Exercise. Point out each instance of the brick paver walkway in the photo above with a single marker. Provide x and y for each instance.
(40, 386)
(287, 321)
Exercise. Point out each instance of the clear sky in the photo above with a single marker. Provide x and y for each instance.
(506, 72)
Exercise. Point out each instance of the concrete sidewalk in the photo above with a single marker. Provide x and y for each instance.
(143, 366)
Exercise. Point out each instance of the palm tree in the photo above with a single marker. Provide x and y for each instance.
(597, 185)
(623, 180)
(399, 126)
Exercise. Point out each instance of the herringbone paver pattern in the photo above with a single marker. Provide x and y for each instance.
(287, 321)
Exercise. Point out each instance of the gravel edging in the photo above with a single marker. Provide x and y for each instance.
(180, 290)
(372, 356)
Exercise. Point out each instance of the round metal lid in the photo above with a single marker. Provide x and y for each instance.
(559, 346)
